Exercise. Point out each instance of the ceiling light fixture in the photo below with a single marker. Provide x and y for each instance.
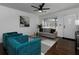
(39, 11)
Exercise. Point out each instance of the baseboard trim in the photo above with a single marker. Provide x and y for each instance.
(48, 37)
(69, 39)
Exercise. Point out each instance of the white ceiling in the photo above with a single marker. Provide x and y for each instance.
(54, 7)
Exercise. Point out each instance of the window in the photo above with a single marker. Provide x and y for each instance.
(49, 23)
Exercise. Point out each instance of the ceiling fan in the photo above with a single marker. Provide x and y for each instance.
(40, 8)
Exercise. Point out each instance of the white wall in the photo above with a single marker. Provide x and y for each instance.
(9, 21)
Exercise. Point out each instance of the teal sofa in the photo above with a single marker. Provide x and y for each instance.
(22, 45)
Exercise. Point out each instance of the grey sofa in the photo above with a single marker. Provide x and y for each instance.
(46, 33)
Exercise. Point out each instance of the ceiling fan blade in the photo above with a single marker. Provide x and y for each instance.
(34, 7)
(45, 8)
(42, 4)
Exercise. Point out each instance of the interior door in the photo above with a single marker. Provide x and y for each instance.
(69, 26)
(60, 26)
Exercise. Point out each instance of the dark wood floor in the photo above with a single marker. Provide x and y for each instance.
(2, 51)
(62, 47)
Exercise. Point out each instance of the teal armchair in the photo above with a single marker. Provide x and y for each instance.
(7, 35)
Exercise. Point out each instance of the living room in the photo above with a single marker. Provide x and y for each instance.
(54, 28)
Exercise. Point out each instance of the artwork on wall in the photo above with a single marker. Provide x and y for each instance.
(24, 21)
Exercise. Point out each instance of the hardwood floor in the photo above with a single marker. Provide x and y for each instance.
(62, 47)
(2, 50)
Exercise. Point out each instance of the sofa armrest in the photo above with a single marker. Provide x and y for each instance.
(55, 33)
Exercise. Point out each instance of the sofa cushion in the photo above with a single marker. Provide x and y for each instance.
(14, 35)
(22, 39)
